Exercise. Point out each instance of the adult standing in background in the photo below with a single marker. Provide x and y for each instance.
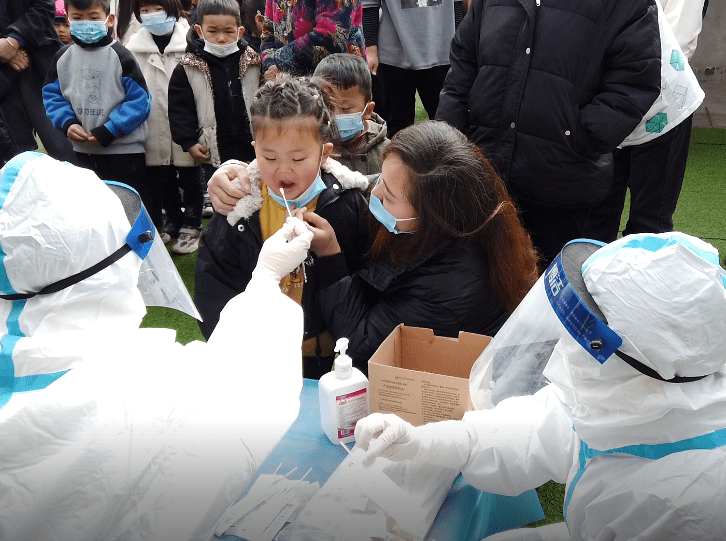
(549, 91)
(408, 50)
(651, 162)
(300, 33)
(29, 42)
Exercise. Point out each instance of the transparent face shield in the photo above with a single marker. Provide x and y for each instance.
(159, 281)
(514, 361)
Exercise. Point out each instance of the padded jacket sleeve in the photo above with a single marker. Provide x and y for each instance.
(353, 308)
(631, 79)
(454, 99)
(224, 268)
(34, 27)
(182, 110)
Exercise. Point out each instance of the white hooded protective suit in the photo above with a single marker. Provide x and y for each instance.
(642, 458)
(108, 431)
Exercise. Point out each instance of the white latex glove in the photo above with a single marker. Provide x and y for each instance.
(285, 250)
(445, 443)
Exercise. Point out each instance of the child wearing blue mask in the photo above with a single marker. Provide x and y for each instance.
(449, 252)
(159, 46)
(211, 91)
(293, 141)
(96, 94)
(362, 133)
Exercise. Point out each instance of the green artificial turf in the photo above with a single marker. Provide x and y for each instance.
(701, 212)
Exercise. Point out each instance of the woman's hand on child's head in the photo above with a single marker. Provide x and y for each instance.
(77, 133)
(199, 152)
(222, 193)
(324, 242)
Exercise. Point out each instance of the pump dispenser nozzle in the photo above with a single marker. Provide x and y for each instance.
(343, 363)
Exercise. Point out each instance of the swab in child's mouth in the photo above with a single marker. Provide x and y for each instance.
(282, 193)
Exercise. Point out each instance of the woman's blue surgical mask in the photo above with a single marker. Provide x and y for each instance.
(349, 125)
(159, 23)
(380, 213)
(89, 31)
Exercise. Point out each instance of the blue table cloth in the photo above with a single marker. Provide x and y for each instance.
(467, 514)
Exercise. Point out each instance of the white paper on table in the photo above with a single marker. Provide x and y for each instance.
(340, 502)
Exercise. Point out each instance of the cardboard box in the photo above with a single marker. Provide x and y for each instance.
(421, 377)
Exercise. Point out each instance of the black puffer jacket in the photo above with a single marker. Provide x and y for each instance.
(233, 132)
(550, 88)
(228, 254)
(448, 292)
(32, 21)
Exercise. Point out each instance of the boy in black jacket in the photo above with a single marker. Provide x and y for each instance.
(211, 89)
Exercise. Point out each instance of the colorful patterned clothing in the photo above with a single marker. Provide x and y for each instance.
(303, 32)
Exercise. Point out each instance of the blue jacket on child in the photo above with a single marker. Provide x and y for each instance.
(99, 86)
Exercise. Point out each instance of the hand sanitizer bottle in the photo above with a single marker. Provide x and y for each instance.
(344, 397)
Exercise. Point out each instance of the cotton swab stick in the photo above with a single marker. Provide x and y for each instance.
(282, 192)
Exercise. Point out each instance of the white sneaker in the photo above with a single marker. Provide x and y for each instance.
(165, 237)
(188, 241)
(207, 208)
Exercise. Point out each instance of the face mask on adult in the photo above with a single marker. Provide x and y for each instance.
(159, 23)
(380, 213)
(89, 31)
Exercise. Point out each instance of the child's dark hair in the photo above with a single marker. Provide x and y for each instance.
(291, 97)
(346, 71)
(217, 7)
(173, 8)
(248, 10)
(86, 4)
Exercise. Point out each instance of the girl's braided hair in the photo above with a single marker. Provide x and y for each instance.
(289, 97)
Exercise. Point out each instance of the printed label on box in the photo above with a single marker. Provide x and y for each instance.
(351, 408)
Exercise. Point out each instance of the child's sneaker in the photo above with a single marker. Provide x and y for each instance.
(188, 241)
(207, 208)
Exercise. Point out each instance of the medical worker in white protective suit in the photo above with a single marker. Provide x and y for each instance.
(108, 431)
(632, 413)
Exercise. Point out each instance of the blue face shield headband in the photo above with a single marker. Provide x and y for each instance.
(580, 315)
(139, 240)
